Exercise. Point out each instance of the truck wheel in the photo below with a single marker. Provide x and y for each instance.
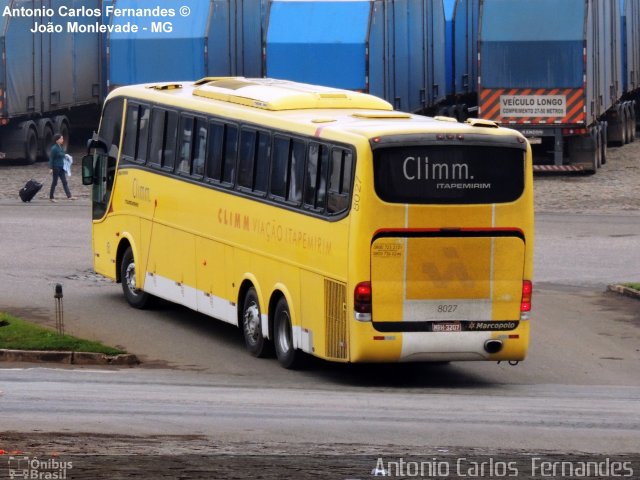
(605, 143)
(462, 112)
(633, 120)
(592, 157)
(631, 127)
(31, 145)
(46, 137)
(61, 126)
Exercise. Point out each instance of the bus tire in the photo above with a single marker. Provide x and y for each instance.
(136, 298)
(288, 356)
(254, 340)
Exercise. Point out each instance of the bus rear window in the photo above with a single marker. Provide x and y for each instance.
(449, 174)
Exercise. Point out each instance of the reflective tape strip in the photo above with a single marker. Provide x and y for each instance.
(574, 105)
(558, 168)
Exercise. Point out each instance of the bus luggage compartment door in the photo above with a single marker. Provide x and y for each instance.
(436, 277)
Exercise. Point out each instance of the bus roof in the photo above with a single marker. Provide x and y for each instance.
(316, 107)
(277, 95)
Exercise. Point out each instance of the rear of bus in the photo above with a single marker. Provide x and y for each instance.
(442, 245)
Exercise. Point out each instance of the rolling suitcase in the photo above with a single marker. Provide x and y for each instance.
(29, 190)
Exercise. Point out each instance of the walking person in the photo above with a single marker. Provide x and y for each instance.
(56, 164)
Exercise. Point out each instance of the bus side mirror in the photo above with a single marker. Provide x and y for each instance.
(87, 170)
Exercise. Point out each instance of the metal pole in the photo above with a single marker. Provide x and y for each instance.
(59, 309)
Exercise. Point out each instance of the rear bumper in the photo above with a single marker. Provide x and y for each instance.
(369, 344)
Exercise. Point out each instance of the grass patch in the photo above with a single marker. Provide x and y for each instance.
(16, 334)
(635, 286)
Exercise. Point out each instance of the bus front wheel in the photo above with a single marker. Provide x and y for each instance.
(256, 344)
(288, 356)
(136, 298)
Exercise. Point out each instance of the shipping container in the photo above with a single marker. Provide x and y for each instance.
(553, 71)
(50, 73)
(188, 42)
(394, 49)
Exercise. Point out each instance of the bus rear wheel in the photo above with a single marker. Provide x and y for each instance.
(288, 356)
(136, 298)
(256, 344)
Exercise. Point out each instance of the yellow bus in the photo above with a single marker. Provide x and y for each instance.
(319, 221)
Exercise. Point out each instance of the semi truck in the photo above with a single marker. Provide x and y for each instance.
(49, 81)
(555, 71)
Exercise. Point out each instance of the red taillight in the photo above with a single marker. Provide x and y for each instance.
(527, 290)
(574, 131)
(362, 298)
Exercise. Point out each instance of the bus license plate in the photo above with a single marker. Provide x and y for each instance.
(446, 327)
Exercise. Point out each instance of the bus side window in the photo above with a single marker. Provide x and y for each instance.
(157, 134)
(279, 167)
(111, 123)
(296, 172)
(316, 182)
(130, 132)
(185, 135)
(339, 180)
(253, 162)
(230, 153)
(136, 133)
(261, 167)
(214, 151)
(246, 161)
(199, 147)
(169, 152)
(144, 113)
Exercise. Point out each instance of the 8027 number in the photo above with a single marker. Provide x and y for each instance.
(447, 308)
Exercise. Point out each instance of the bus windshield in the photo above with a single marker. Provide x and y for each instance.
(449, 174)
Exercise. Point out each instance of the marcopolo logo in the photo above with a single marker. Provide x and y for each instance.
(23, 467)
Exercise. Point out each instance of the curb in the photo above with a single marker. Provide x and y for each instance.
(626, 291)
(67, 358)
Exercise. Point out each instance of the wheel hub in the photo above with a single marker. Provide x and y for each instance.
(252, 322)
(130, 278)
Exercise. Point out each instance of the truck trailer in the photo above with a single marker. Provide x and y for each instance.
(461, 18)
(190, 41)
(49, 82)
(394, 49)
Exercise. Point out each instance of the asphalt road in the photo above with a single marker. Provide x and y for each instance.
(321, 418)
(578, 391)
(44, 244)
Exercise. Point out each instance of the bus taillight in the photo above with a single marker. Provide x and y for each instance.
(362, 301)
(527, 290)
